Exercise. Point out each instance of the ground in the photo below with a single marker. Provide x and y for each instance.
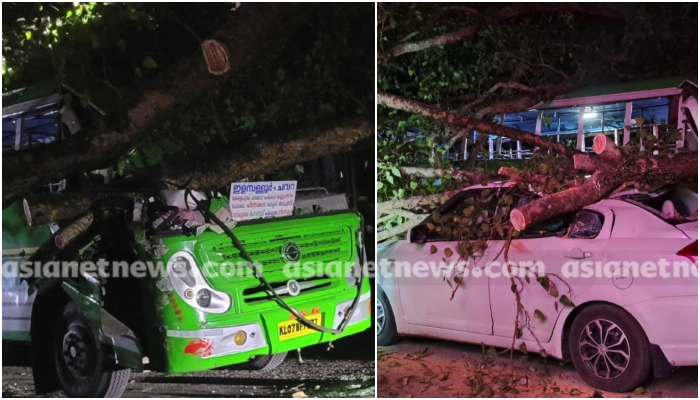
(420, 367)
(346, 371)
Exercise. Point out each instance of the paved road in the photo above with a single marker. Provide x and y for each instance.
(419, 367)
(346, 371)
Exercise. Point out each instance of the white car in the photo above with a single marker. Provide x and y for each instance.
(627, 266)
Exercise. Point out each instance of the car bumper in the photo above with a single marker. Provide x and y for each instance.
(196, 350)
(671, 323)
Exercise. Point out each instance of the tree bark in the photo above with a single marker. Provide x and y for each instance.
(606, 148)
(566, 201)
(255, 158)
(46, 208)
(610, 173)
(245, 34)
(266, 153)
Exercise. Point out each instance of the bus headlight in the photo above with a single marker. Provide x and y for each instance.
(190, 285)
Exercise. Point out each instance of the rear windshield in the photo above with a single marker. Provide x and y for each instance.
(674, 204)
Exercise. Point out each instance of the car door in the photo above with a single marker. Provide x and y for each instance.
(564, 264)
(431, 291)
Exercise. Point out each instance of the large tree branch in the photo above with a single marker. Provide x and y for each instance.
(265, 153)
(502, 14)
(611, 171)
(245, 34)
(482, 126)
(534, 96)
(216, 170)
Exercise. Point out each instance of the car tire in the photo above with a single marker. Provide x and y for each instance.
(78, 358)
(386, 324)
(267, 363)
(609, 348)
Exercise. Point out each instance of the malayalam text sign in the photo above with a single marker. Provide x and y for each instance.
(253, 200)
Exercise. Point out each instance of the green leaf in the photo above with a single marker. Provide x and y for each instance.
(396, 172)
(149, 63)
(389, 178)
(539, 315)
(566, 302)
(414, 185)
(523, 347)
(380, 185)
(28, 35)
(69, 14)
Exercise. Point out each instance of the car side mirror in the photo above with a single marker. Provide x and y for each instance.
(419, 234)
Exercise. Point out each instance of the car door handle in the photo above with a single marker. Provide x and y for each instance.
(578, 254)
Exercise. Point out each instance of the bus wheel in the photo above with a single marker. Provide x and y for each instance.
(267, 363)
(78, 358)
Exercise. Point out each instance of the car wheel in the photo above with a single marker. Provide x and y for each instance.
(78, 358)
(386, 325)
(267, 363)
(609, 348)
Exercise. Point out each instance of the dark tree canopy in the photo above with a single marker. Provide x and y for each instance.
(451, 54)
(296, 71)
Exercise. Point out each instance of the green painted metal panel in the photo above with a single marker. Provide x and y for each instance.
(16, 235)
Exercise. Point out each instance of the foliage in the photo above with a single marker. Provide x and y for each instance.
(324, 71)
(533, 50)
(112, 44)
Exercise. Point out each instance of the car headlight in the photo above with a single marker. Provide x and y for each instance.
(189, 283)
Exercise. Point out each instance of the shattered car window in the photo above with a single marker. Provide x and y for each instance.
(585, 224)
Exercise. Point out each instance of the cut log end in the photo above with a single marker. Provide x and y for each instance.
(517, 219)
(27, 212)
(216, 56)
(599, 143)
(605, 147)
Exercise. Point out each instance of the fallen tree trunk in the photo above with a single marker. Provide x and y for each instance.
(265, 154)
(45, 208)
(566, 201)
(255, 158)
(610, 173)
